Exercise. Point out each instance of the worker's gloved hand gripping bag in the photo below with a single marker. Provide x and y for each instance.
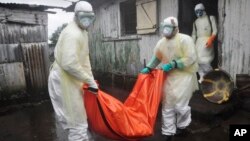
(135, 118)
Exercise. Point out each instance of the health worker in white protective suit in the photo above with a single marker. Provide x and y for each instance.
(178, 56)
(204, 34)
(70, 71)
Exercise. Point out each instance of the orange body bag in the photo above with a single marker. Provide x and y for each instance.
(135, 118)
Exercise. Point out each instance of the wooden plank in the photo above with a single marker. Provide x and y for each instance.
(143, 1)
(235, 43)
(146, 31)
(109, 14)
(221, 20)
(147, 44)
(146, 17)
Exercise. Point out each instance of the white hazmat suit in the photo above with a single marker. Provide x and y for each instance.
(177, 53)
(204, 33)
(180, 83)
(69, 72)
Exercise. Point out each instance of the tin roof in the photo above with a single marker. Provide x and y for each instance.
(28, 6)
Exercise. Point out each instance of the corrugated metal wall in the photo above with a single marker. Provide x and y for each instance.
(23, 45)
(111, 52)
(34, 64)
(11, 79)
(234, 36)
(10, 53)
(14, 33)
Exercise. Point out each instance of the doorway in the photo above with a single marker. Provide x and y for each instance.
(186, 17)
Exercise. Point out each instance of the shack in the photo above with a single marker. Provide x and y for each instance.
(23, 51)
(126, 31)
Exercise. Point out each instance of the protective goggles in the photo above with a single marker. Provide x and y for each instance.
(165, 25)
(199, 12)
(90, 15)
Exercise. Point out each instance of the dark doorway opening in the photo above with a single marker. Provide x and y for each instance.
(186, 17)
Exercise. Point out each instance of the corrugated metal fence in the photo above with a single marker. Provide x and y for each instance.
(34, 64)
(23, 55)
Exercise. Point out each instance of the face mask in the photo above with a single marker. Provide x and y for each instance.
(85, 22)
(167, 31)
(85, 19)
(199, 13)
